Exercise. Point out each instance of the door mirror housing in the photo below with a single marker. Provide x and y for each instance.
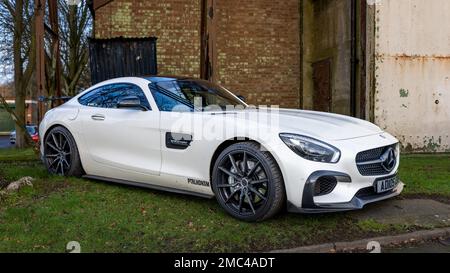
(131, 102)
(242, 98)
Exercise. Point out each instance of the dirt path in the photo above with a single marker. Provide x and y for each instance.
(421, 212)
(442, 246)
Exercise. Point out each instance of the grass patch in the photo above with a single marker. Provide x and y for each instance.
(13, 154)
(372, 225)
(426, 174)
(112, 218)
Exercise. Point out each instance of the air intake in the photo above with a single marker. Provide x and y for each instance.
(325, 185)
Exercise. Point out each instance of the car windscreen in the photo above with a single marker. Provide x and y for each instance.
(195, 95)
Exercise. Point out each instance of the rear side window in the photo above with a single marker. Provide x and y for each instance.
(109, 95)
(167, 101)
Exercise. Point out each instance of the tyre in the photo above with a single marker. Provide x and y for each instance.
(247, 182)
(61, 155)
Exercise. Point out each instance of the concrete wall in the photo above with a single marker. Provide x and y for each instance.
(412, 71)
(327, 34)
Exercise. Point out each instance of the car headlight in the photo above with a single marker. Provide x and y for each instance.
(311, 149)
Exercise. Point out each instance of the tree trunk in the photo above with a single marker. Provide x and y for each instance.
(19, 88)
(20, 113)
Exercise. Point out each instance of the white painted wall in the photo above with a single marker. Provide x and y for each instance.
(412, 70)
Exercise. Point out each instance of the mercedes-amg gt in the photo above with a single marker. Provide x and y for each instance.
(190, 136)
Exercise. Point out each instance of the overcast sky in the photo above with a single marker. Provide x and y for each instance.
(6, 72)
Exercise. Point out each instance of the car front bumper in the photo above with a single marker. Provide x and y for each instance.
(346, 195)
(362, 198)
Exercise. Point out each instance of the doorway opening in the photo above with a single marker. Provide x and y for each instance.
(334, 56)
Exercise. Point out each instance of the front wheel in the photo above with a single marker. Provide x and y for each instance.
(247, 182)
(61, 153)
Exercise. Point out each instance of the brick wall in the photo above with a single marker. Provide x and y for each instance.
(257, 42)
(176, 24)
(259, 50)
(7, 91)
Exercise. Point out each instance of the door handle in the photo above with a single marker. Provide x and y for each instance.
(98, 117)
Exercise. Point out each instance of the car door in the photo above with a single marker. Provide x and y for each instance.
(183, 155)
(122, 143)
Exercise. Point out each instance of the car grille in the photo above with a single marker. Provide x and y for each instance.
(370, 162)
(325, 185)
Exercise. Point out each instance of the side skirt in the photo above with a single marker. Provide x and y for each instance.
(148, 186)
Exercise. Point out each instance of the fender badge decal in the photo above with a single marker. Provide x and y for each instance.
(198, 182)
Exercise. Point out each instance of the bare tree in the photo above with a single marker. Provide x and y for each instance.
(78, 22)
(6, 60)
(17, 22)
(74, 28)
(18, 52)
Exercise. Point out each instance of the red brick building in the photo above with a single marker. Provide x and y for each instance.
(307, 54)
(6, 91)
(253, 45)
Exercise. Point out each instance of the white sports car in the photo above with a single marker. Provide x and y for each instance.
(191, 136)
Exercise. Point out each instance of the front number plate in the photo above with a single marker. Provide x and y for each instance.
(386, 185)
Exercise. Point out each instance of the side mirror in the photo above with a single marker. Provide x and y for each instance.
(131, 102)
(242, 98)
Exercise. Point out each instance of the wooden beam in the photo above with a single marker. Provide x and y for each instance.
(40, 54)
(208, 41)
(100, 3)
(54, 24)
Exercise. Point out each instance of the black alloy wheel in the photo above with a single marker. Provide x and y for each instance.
(61, 153)
(248, 183)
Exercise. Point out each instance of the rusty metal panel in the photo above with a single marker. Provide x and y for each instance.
(122, 57)
(322, 85)
(412, 96)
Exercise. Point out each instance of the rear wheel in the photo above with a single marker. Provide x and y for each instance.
(61, 153)
(248, 183)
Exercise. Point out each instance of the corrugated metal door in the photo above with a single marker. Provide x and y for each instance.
(122, 57)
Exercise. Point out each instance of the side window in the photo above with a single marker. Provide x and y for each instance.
(122, 90)
(167, 101)
(94, 98)
(108, 96)
(137, 91)
(173, 87)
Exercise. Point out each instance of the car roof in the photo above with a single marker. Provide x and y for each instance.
(168, 78)
(150, 78)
